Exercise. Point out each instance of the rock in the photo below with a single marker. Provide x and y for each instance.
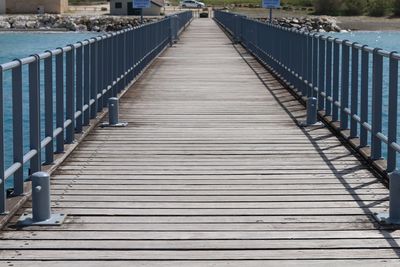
(32, 24)
(96, 29)
(81, 28)
(19, 24)
(5, 25)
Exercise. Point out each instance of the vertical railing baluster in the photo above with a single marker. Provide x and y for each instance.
(3, 195)
(364, 96)
(344, 92)
(48, 108)
(101, 76)
(321, 72)
(86, 83)
(335, 85)
(315, 64)
(70, 95)
(354, 90)
(377, 73)
(328, 77)
(60, 101)
(392, 112)
(309, 64)
(79, 88)
(93, 78)
(18, 141)
(34, 115)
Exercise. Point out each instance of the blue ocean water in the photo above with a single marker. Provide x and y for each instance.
(20, 45)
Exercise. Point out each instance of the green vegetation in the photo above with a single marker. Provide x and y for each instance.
(87, 2)
(396, 7)
(357, 7)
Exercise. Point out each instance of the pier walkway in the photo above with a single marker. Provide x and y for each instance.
(212, 170)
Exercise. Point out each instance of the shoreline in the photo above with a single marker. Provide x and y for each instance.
(69, 23)
(353, 23)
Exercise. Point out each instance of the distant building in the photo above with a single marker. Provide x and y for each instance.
(2, 6)
(33, 6)
(125, 7)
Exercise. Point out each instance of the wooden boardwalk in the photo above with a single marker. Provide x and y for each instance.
(211, 171)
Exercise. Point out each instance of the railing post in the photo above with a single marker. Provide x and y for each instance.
(335, 86)
(377, 73)
(354, 90)
(70, 94)
(34, 114)
(18, 141)
(86, 83)
(93, 78)
(79, 88)
(392, 113)
(315, 38)
(3, 194)
(344, 93)
(328, 76)
(364, 95)
(60, 100)
(48, 107)
(321, 72)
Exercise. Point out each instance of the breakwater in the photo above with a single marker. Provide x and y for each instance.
(308, 24)
(51, 22)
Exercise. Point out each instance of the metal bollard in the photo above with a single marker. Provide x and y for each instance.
(113, 111)
(113, 114)
(41, 210)
(41, 204)
(393, 217)
(312, 118)
(311, 111)
(394, 197)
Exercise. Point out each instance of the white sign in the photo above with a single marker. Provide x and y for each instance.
(271, 3)
(141, 4)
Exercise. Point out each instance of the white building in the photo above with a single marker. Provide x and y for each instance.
(33, 6)
(2, 6)
(125, 7)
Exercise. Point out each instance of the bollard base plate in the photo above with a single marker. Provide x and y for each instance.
(55, 220)
(305, 124)
(384, 218)
(106, 124)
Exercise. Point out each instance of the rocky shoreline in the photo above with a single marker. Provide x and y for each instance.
(309, 24)
(49, 22)
(104, 23)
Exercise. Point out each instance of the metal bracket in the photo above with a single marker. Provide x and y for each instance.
(107, 124)
(55, 220)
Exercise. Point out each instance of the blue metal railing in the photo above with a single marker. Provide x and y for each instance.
(355, 85)
(73, 83)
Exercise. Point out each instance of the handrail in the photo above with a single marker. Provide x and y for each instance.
(80, 77)
(346, 77)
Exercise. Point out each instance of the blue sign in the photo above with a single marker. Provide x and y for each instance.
(271, 3)
(141, 4)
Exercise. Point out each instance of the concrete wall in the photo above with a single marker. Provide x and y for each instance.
(31, 6)
(2, 6)
(154, 10)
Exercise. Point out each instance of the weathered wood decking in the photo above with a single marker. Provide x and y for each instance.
(212, 171)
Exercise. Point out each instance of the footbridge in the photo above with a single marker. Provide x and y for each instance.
(221, 163)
